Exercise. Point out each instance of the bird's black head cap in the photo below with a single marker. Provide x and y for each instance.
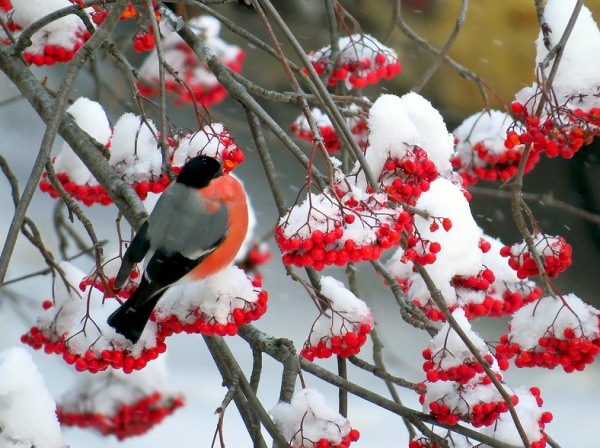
(199, 171)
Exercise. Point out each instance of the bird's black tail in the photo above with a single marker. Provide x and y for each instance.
(131, 317)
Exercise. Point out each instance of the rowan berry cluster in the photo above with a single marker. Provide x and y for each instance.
(196, 83)
(92, 360)
(554, 251)
(491, 166)
(421, 250)
(144, 41)
(343, 345)
(404, 179)
(357, 126)
(99, 13)
(561, 132)
(564, 332)
(336, 229)
(199, 321)
(213, 140)
(363, 61)
(347, 440)
(461, 373)
(127, 420)
(51, 54)
(458, 387)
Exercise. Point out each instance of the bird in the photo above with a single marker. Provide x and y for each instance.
(195, 230)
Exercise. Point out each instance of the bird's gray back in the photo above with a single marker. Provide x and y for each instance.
(180, 223)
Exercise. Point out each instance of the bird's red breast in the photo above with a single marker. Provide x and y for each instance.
(224, 191)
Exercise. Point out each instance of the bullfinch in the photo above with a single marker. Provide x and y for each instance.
(195, 230)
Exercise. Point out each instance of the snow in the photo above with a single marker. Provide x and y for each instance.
(207, 141)
(448, 349)
(82, 315)
(307, 419)
(579, 65)
(91, 118)
(460, 253)
(216, 296)
(61, 32)
(398, 123)
(104, 392)
(346, 313)
(534, 320)
(529, 414)
(486, 127)
(134, 148)
(27, 411)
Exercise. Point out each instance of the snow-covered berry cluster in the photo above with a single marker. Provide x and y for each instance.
(342, 328)
(533, 419)
(212, 140)
(458, 387)
(307, 422)
(74, 327)
(482, 151)
(553, 332)
(570, 114)
(528, 406)
(91, 360)
(134, 154)
(327, 229)
(217, 305)
(58, 41)
(363, 60)
(196, 83)
(355, 123)
(117, 404)
(562, 132)
(105, 282)
(554, 251)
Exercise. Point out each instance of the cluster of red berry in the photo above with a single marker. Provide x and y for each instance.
(207, 325)
(562, 131)
(231, 156)
(478, 413)
(88, 194)
(358, 73)
(325, 249)
(109, 289)
(404, 179)
(197, 82)
(461, 373)
(420, 250)
(490, 165)
(566, 350)
(99, 13)
(344, 345)
(347, 440)
(128, 420)
(92, 360)
(554, 250)
(545, 418)
(51, 54)
(331, 140)
(144, 41)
